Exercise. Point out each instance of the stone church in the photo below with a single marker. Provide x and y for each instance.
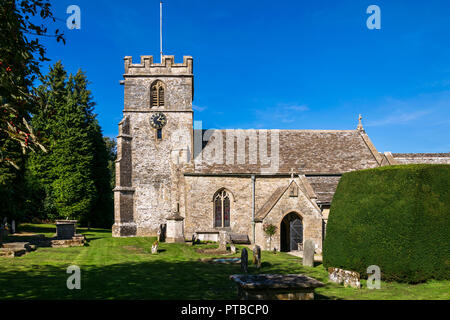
(233, 182)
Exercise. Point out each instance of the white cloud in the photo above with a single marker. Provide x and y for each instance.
(427, 109)
(398, 118)
(284, 113)
(198, 108)
(293, 107)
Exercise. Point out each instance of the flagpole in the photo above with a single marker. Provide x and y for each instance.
(160, 30)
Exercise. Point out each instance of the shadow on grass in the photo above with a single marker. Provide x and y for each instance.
(93, 230)
(318, 296)
(158, 279)
(146, 280)
(44, 228)
(48, 228)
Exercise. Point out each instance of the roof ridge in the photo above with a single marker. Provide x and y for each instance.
(286, 130)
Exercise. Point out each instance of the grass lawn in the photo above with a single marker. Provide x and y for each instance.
(124, 268)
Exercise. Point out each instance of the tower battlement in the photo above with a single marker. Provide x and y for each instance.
(166, 67)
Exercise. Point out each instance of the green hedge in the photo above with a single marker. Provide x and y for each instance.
(396, 217)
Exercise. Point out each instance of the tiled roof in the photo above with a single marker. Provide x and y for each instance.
(421, 155)
(324, 186)
(308, 151)
(416, 158)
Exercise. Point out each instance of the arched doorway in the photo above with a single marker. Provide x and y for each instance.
(291, 232)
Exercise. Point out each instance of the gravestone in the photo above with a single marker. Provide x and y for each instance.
(233, 248)
(244, 260)
(155, 247)
(308, 253)
(257, 256)
(162, 233)
(223, 240)
(194, 238)
(13, 227)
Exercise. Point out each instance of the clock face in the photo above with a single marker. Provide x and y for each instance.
(158, 120)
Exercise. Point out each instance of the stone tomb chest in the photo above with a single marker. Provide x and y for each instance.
(65, 229)
(275, 286)
(208, 236)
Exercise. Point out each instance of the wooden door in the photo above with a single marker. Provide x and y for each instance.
(296, 232)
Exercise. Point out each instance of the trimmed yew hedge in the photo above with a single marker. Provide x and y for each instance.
(395, 217)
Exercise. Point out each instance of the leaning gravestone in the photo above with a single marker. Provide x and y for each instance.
(244, 260)
(257, 256)
(308, 253)
(233, 248)
(223, 241)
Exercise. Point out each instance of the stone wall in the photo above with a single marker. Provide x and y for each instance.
(305, 209)
(416, 158)
(199, 213)
(178, 94)
(154, 168)
(200, 191)
(155, 178)
(148, 185)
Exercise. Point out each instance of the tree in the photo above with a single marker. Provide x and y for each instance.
(20, 52)
(269, 230)
(111, 146)
(21, 23)
(394, 217)
(41, 172)
(74, 174)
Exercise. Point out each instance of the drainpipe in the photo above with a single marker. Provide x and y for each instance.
(253, 209)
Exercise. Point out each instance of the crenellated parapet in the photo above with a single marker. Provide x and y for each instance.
(167, 67)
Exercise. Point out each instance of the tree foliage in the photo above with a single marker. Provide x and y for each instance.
(73, 175)
(20, 54)
(21, 25)
(395, 217)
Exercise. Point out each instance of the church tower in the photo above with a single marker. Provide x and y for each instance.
(155, 137)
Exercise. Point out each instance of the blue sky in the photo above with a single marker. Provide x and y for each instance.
(280, 64)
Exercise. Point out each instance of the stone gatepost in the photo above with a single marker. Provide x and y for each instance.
(175, 228)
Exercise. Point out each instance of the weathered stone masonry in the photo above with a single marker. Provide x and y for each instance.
(159, 177)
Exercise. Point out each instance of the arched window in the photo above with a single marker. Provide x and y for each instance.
(222, 209)
(157, 94)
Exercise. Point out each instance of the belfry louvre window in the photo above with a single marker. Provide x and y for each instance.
(222, 209)
(157, 94)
